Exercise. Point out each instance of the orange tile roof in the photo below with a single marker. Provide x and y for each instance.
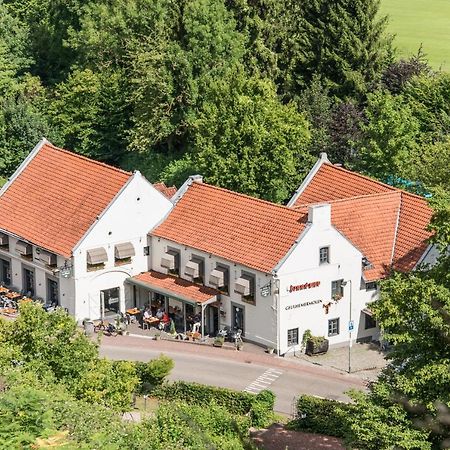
(363, 228)
(57, 197)
(332, 183)
(236, 227)
(168, 191)
(370, 223)
(177, 286)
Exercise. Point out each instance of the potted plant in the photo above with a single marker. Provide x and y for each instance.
(316, 345)
(218, 341)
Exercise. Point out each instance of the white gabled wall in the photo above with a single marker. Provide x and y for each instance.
(137, 209)
(303, 307)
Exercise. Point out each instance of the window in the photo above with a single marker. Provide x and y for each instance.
(220, 278)
(369, 322)
(371, 286)
(245, 286)
(198, 266)
(324, 255)
(52, 292)
(28, 282)
(123, 253)
(333, 327)
(171, 261)
(146, 250)
(292, 337)
(5, 272)
(4, 242)
(337, 290)
(111, 304)
(96, 259)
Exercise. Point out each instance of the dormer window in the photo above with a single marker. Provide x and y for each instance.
(366, 264)
(324, 255)
(171, 261)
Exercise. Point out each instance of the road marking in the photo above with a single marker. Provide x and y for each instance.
(263, 381)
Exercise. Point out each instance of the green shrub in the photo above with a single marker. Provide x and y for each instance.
(153, 373)
(259, 407)
(323, 416)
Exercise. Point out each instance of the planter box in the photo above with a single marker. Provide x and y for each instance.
(312, 349)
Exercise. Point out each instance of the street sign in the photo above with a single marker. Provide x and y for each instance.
(351, 325)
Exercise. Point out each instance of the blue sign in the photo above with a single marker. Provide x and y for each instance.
(351, 325)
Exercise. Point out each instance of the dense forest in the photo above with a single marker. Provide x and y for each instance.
(245, 92)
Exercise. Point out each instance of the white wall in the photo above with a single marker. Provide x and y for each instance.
(302, 266)
(259, 319)
(135, 211)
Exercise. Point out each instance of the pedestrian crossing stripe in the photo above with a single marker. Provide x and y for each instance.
(263, 381)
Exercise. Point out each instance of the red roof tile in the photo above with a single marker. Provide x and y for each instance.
(370, 223)
(242, 229)
(168, 191)
(365, 228)
(333, 182)
(57, 197)
(177, 286)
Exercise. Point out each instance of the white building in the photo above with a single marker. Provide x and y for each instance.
(76, 232)
(278, 271)
(73, 229)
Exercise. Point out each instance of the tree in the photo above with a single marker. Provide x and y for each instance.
(244, 139)
(390, 135)
(343, 42)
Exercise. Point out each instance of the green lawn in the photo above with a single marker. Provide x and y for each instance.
(425, 22)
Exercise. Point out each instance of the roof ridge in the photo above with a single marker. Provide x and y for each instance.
(85, 158)
(355, 197)
(361, 176)
(239, 194)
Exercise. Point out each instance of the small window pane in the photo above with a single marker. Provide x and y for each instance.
(324, 255)
(337, 289)
(292, 337)
(369, 322)
(333, 327)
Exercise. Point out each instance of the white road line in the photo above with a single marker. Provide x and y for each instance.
(263, 381)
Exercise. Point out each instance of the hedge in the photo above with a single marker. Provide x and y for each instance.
(258, 407)
(319, 415)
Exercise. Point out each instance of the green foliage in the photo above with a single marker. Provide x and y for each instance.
(259, 407)
(153, 372)
(244, 139)
(390, 135)
(342, 42)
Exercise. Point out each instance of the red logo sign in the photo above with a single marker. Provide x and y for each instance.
(301, 287)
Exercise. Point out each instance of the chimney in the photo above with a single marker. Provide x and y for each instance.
(320, 215)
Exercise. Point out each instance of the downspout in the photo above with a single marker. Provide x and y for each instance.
(277, 311)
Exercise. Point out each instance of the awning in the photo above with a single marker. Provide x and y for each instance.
(192, 269)
(368, 312)
(124, 250)
(23, 248)
(4, 239)
(97, 256)
(217, 278)
(168, 261)
(242, 286)
(47, 258)
(175, 287)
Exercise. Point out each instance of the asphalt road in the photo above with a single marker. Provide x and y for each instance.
(285, 380)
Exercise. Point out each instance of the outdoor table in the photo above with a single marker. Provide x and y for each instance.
(152, 321)
(26, 300)
(3, 290)
(13, 295)
(133, 311)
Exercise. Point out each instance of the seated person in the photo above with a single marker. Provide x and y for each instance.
(147, 314)
(160, 313)
(165, 318)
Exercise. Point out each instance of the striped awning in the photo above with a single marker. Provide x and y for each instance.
(97, 256)
(124, 250)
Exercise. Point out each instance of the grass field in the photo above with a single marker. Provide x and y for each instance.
(416, 22)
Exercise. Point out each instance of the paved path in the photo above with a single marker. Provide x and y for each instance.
(236, 370)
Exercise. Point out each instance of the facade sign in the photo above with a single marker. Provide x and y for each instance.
(300, 305)
(301, 287)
